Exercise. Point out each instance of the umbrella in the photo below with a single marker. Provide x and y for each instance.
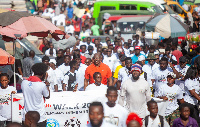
(6, 58)
(24, 23)
(34, 25)
(167, 26)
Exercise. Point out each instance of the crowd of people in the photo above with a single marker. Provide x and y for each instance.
(133, 75)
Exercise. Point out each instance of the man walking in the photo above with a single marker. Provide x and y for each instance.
(34, 91)
(28, 63)
(136, 91)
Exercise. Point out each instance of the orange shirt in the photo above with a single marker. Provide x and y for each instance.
(103, 69)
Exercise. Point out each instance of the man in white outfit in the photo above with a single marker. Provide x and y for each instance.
(136, 92)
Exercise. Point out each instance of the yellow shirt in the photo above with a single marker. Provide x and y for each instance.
(116, 71)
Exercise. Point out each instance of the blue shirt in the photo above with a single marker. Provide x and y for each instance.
(70, 12)
(135, 58)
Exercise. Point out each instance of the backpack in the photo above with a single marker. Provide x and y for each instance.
(160, 117)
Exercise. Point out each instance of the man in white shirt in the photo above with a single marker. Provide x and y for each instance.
(124, 72)
(182, 69)
(69, 28)
(171, 58)
(34, 91)
(109, 59)
(114, 113)
(149, 67)
(58, 77)
(137, 42)
(97, 85)
(136, 92)
(80, 73)
(96, 115)
(65, 66)
(126, 49)
(51, 51)
(154, 120)
(159, 75)
(69, 82)
(83, 33)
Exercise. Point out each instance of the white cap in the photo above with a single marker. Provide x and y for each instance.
(119, 50)
(172, 74)
(141, 58)
(52, 61)
(131, 49)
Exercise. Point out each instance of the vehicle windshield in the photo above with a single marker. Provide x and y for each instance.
(31, 46)
(157, 9)
(168, 9)
(130, 27)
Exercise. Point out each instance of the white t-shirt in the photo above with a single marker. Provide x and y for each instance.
(51, 78)
(59, 78)
(94, 87)
(149, 70)
(190, 85)
(69, 29)
(64, 68)
(160, 77)
(156, 122)
(33, 97)
(5, 103)
(173, 94)
(123, 74)
(116, 115)
(183, 71)
(126, 52)
(80, 76)
(109, 61)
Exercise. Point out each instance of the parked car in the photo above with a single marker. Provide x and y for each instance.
(129, 25)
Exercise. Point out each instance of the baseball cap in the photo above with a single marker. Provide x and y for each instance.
(141, 58)
(137, 47)
(52, 61)
(182, 59)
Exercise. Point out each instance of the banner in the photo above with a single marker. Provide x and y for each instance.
(63, 109)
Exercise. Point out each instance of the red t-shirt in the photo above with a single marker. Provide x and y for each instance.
(76, 25)
(103, 69)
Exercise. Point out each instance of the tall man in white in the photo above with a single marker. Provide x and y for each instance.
(136, 91)
(34, 90)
